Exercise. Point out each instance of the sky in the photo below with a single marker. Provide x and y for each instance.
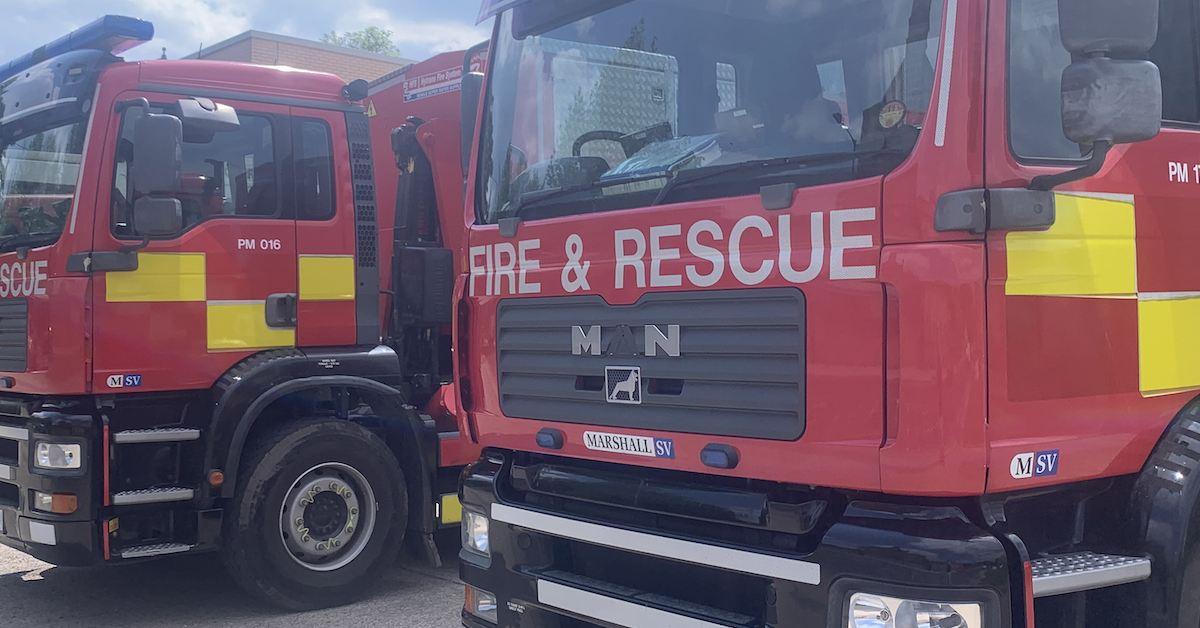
(421, 28)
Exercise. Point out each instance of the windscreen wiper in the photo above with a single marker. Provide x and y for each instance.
(534, 198)
(18, 240)
(777, 165)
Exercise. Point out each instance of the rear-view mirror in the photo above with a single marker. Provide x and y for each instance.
(1105, 99)
(157, 216)
(1108, 26)
(1110, 100)
(157, 154)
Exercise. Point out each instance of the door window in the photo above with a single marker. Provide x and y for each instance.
(229, 173)
(313, 150)
(1037, 58)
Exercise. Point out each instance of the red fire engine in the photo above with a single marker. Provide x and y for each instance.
(194, 350)
(833, 313)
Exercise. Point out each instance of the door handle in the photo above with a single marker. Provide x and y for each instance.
(281, 310)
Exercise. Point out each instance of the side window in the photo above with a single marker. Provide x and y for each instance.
(1175, 54)
(313, 150)
(230, 173)
(1036, 59)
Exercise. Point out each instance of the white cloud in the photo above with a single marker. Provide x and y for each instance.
(432, 35)
(183, 25)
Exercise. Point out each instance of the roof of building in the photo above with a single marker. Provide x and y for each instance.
(285, 39)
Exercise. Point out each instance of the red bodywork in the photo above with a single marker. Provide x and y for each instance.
(924, 376)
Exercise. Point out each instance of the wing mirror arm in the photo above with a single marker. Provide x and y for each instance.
(1048, 182)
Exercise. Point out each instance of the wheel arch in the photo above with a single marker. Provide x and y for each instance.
(248, 389)
(1166, 501)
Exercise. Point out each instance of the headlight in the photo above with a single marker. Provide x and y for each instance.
(880, 611)
(58, 456)
(480, 603)
(475, 533)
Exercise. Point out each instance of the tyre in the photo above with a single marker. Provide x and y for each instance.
(320, 510)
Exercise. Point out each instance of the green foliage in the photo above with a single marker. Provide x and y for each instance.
(371, 39)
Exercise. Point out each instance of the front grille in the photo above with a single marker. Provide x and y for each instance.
(740, 369)
(14, 335)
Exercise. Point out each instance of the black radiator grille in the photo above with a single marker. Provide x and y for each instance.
(14, 335)
(740, 369)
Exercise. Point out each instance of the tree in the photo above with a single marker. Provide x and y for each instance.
(371, 39)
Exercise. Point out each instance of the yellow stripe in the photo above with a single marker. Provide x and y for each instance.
(451, 509)
(1090, 251)
(241, 325)
(1168, 343)
(160, 277)
(326, 278)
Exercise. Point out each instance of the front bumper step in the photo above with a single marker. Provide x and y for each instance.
(1084, 571)
(156, 549)
(152, 496)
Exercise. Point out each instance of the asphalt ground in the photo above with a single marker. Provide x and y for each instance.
(194, 591)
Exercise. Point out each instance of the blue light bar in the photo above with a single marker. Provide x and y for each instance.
(111, 33)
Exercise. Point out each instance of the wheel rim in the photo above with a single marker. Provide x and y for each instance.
(327, 517)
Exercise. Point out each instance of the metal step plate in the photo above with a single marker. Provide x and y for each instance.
(1083, 571)
(168, 435)
(152, 496)
(157, 549)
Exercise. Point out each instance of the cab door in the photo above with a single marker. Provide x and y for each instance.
(325, 199)
(1092, 321)
(195, 302)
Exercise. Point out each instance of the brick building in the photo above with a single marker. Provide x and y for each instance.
(271, 49)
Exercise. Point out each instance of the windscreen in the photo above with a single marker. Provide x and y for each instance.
(38, 175)
(603, 110)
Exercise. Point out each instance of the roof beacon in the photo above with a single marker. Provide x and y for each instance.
(112, 33)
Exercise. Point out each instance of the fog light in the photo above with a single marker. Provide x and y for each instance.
(480, 603)
(880, 611)
(475, 533)
(58, 456)
(57, 503)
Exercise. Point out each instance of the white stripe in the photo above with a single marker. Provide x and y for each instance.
(1167, 296)
(662, 546)
(6, 472)
(612, 610)
(14, 433)
(32, 110)
(939, 138)
(1101, 196)
(87, 139)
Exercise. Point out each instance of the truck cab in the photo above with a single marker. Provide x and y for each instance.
(833, 313)
(196, 349)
